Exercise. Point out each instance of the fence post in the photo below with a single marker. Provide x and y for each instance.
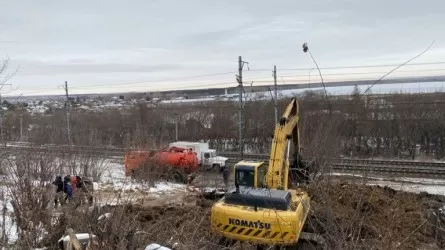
(74, 243)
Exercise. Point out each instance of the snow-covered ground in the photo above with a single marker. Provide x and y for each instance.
(418, 159)
(114, 177)
(9, 225)
(414, 185)
(415, 87)
(114, 187)
(413, 188)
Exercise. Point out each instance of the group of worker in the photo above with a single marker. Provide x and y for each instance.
(70, 188)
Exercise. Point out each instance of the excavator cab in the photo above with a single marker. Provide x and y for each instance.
(250, 174)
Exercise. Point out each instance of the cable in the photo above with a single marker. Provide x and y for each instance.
(306, 49)
(40, 90)
(169, 79)
(353, 67)
(368, 73)
(265, 83)
(417, 56)
(233, 72)
(210, 85)
(213, 83)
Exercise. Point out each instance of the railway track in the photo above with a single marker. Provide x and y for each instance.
(367, 166)
(431, 169)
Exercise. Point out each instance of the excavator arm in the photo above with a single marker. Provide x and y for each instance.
(285, 144)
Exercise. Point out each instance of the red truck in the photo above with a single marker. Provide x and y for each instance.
(178, 162)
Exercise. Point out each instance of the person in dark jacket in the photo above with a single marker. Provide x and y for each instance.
(79, 183)
(83, 191)
(67, 188)
(226, 176)
(62, 187)
(59, 184)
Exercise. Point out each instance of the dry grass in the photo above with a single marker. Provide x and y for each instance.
(349, 216)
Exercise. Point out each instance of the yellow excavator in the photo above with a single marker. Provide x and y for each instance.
(262, 210)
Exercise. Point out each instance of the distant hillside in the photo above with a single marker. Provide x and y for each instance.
(234, 89)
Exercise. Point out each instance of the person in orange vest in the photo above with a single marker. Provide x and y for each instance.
(74, 183)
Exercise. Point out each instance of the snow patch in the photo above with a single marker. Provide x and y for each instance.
(155, 246)
(104, 216)
(412, 185)
(422, 181)
(159, 187)
(10, 226)
(80, 236)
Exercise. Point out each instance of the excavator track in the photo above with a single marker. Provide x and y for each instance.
(311, 241)
(307, 241)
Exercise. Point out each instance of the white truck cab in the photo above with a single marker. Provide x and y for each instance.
(208, 159)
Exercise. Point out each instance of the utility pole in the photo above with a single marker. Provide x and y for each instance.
(275, 102)
(21, 127)
(1, 120)
(176, 126)
(67, 108)
(2, 134)
(239, 79)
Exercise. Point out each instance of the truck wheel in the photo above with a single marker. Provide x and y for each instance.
(217, 167)
(133, 174)
(179, 176)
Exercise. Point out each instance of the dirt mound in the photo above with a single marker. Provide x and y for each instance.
(373, 217)
(182, 226)
(348, 216)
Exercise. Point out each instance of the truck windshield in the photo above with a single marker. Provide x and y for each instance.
(212, 154)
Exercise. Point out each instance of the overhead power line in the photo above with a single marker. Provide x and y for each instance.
(398, 66)
(356, 66)
(256, 79)
(228, 81)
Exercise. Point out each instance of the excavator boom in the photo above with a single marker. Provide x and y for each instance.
(278, 171)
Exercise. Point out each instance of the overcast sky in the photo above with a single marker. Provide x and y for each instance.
(152, 44)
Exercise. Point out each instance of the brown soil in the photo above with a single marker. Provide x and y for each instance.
(348, 216)
(373, 217)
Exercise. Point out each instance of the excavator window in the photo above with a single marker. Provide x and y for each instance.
(245, 177)
(261, 175)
